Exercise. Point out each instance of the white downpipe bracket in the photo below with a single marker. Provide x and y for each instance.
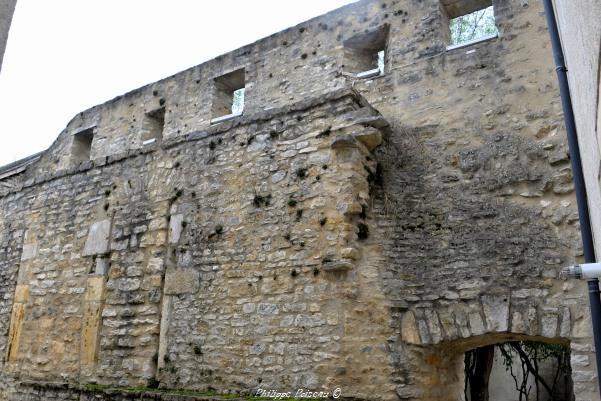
(583, 271)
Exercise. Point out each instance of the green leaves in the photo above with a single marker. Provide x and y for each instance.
(238, 101)
(473, 26)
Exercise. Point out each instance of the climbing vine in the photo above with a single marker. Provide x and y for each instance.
(529, 356)
(524, 362)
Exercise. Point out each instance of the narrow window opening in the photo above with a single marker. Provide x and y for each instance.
(154, 124)
(381, 56)
(228, 96)
(82, 145)
(365, 54)
(238, 101)
(469, 22)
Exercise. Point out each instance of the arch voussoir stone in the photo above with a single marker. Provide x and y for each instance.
(489, 315)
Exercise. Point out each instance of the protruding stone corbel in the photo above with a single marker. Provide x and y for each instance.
(344, 142)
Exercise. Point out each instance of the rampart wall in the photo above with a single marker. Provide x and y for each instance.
(360, 233)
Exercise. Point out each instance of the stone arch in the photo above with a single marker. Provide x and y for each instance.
(437, 335)
(486, 315)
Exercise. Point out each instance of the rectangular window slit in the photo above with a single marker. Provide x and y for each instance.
(228, 96)
(153, 126)
(365, 54)
(469, 22)
(81, 148)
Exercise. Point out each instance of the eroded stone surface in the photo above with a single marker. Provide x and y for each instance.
(362, 238)
(98, 238)
(181, 281)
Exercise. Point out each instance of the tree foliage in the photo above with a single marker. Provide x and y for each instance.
(238, 101)
(529, 355)
(523, 361)
(473, 26)
(381, 55)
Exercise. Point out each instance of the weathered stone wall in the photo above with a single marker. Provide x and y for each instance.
(313, 242)
(243, 242)
(7, 8)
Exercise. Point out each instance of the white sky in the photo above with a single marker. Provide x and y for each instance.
(64, 56)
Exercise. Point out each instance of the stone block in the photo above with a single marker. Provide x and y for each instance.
(14, 332)
(248, 307)
(579, 360)
(533, 325)
(344, 142)
(409, 331)
(337, 265)
(164, 327)
(461, 319)
(181, 281)
(97, 242)
(155, 265)
(102, 266)
(517, 323)
(175, 228)
(433, 325)
(424, 333)
(129, 284)
(476, 324)
(447, 321)
(29, 251)
(90, 331)
(566, 322)
(22, 293)
(95, 288)
(267, 309)
(371, 138)
(155, 280)
(350, 253)
(549, 324)
(496, 312)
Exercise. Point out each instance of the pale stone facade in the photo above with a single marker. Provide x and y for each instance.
(360, 233)
(580, 32)
(7, 8)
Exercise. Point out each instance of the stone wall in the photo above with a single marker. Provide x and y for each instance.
(342, 232)
(241, 242)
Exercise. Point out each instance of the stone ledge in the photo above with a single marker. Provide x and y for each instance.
(105, 392)
(258, 117)
(121, 393)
